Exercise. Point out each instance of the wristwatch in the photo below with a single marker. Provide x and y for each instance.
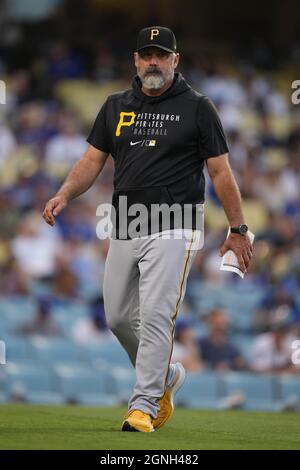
(241, 230)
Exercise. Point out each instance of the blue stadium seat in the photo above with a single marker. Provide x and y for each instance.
(86, 386)
(247, 299)
(241, 317)
(200, 390)
(3, 398)
(31, 382)
(51, 350)
(72, 310)
(15, 311)
(5, 329)
(124, 381)
(89, 292)
(14, 320)
(65, 322)
(68, 315)
(290, 390)
(23, 305)
(18, 348)
(200, 330)
(243, 343)
(108, 351)
(39, 288)
(259, 391)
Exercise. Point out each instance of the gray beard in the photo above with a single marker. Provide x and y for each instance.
(153, 82)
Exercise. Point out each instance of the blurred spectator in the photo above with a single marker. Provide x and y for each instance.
(238, 150)
(276, 103)
(269, 190)
(92, 329)
(217, 352)
(13, 281)
(87, 261)
(223, 88)
(264, 96)
(294, 135)
(105, 66)
(65, 286)
(10, 215)
(36, 248)
(20, 90)
(280, 231)
(63, 63)
(290, 179)
(277, 296)
(7, 144)
(272, 351)
(42, 324)
(64, 149)
(31, 129)
(78, 222)
(185, 349)
(267, 137)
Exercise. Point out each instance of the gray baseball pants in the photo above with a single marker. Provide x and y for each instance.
(144, 285)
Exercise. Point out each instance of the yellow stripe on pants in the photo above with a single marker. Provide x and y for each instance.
(179, 299)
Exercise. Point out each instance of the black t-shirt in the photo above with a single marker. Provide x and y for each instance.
(214, 355)
(159, 144)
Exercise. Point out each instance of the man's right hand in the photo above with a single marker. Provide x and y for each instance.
(53, 207)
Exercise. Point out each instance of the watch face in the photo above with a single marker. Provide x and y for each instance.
(243, 229)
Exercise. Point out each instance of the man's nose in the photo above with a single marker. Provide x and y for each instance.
(153, 60)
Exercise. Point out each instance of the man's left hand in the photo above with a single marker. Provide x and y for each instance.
(241, 246)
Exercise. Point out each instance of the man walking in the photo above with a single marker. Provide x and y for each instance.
(160, 134)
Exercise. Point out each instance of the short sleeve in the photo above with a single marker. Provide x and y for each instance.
(99, 134)
(212, 140)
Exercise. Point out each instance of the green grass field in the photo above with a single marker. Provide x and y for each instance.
(71, 427)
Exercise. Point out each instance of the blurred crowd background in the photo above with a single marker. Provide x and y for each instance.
(59, 61)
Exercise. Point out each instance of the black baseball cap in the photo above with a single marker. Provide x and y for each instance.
(156, 36)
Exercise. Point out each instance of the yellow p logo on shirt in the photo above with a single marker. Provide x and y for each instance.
(154, 32)
(125, 123)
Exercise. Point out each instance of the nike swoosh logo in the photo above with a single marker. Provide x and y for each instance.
(134, 143)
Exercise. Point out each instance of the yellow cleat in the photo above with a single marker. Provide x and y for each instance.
(137, 421)
(166, 402)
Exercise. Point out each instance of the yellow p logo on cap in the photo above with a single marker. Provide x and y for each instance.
(154, 32)
(121, 122)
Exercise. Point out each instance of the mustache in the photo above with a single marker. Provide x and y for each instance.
(153, 70)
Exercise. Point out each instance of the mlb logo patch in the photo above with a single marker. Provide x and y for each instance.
(150, 143)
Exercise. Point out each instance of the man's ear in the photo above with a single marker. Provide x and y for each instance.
(135, 56)
(176, 59)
